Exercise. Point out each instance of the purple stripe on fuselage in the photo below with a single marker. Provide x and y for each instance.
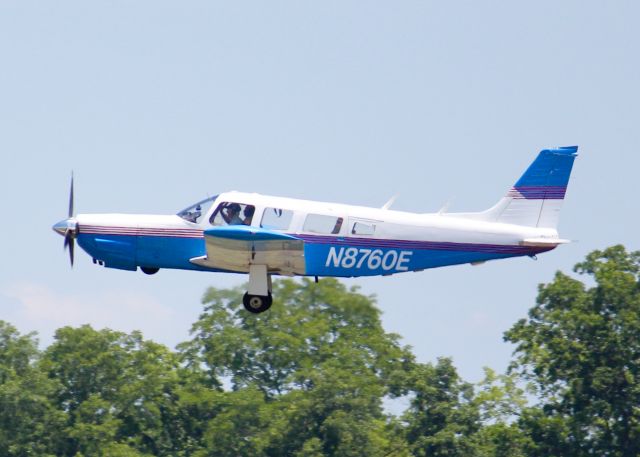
(424, 245)
(140, 231)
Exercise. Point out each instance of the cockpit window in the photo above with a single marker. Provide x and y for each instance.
(195, 212)
(231, 213)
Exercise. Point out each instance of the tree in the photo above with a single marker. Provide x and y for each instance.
(500, 402)
(320, 361)
(581, 347)
(308, 378)
(29, 424)
(442, 415)
(119, 393)
(450, 417)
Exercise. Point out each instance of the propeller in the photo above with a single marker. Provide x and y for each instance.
(68, 227)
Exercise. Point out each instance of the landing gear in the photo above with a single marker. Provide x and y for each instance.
(256, 303)
(149, 271)
(258, 297)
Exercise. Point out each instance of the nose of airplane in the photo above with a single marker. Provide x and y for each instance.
(60, 227)
(68, 229)
(64, 226)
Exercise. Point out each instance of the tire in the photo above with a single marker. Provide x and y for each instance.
(256, 303)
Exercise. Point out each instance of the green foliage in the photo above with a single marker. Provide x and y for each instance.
(499, 397)
(29, 423)
(320, 360)
(309, 326)
(499, 440)
(16, 352)
(308, 378)
(581, 346)
(114, 389)
(442, 415)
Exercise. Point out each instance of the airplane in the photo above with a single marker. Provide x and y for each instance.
(264, 235)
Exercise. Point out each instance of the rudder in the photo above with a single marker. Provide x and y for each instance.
(536, 198)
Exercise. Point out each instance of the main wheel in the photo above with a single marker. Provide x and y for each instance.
(256, 303)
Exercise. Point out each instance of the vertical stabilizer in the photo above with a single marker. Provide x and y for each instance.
(536, 199)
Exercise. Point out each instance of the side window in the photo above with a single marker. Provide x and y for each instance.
(318, 223)
(360, 228)
(230, 213)
(276, 219)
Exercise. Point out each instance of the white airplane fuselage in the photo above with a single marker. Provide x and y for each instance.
(400, 241)
(264, 235)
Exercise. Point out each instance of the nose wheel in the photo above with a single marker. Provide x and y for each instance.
(256, 303)
(258, 297)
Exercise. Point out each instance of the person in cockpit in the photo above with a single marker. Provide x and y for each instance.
(231, 214)
(248, 214)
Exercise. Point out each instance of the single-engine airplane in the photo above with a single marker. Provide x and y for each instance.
(263, 235)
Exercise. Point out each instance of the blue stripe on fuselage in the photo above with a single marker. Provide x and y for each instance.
(129, 251)
(170, 252)
(346, 257)
(116, 251)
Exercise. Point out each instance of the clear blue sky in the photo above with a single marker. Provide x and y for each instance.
(157, 104)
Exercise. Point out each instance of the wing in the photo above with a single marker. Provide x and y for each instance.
(236, 247)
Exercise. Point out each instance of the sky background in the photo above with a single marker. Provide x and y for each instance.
(157, 104)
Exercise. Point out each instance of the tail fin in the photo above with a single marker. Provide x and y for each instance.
(536, 199)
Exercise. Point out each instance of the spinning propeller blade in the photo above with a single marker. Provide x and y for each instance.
(68, 227)
(70, 235)
(69, 243)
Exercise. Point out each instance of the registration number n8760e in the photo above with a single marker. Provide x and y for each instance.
(368, 258)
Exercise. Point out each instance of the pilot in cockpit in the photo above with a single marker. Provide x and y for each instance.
(231, 214)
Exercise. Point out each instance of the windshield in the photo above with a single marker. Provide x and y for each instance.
(194, 212)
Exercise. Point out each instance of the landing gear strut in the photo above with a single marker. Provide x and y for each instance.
(258, 297)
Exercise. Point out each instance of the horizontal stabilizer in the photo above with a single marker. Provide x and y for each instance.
(543, 242)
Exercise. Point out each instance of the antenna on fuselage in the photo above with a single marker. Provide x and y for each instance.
(446, 205)
(389, 202)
